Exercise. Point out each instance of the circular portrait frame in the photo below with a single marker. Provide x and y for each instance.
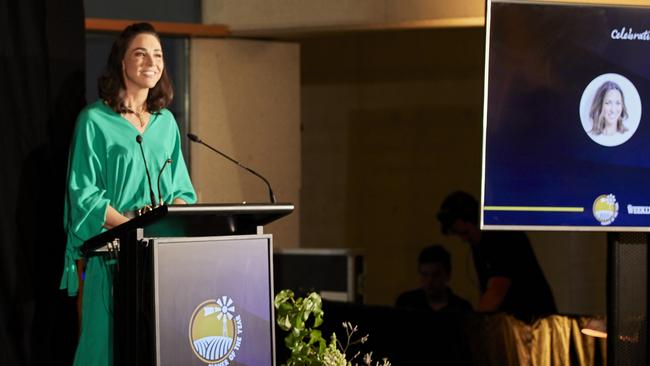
(632, 103)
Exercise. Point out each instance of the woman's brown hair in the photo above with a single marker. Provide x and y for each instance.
(111, 85)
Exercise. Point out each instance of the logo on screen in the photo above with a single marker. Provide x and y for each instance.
(215, 331)
(605, 209)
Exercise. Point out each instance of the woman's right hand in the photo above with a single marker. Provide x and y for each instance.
(114, 218)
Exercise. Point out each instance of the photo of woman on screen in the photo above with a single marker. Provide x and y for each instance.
(608, 110)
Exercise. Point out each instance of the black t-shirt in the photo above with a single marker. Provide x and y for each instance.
(509, 254)
(417, 300)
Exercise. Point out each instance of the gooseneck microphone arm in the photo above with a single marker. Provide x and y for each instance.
(160, 200)
(196, 139)
(138, 139)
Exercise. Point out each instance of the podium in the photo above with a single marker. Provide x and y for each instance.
(192, 285)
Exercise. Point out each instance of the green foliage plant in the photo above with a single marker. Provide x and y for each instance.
(300, 317)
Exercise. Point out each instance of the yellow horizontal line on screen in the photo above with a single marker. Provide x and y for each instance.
(534, 208)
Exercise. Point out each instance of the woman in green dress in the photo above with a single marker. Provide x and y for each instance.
(107, 177)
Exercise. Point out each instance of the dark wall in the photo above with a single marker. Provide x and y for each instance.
(42, 76)
(188, 11)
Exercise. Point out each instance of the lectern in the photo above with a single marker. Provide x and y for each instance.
(193, 285)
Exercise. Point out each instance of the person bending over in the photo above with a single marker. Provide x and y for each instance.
(510, 277)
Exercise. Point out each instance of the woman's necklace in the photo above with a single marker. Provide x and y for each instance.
(140, 118)
(141, 115)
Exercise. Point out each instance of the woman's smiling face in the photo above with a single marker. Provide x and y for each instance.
(612, 106)
(143, 62)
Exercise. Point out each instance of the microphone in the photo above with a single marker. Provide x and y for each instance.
(152, 196)
(196, 139)
(168, 161)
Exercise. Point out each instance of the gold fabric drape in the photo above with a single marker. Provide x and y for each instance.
(502, 340)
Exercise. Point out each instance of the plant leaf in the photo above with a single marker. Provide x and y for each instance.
(284, 323)
(315, 336)
(318, 319)
(282, 297)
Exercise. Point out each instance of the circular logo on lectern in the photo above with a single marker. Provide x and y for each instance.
(215, 331)
(605, 209)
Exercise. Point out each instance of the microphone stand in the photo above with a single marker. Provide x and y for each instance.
(152, 196)
(196, 139)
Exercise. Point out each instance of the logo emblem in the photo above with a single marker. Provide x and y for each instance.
(605, 209)
(215, 331)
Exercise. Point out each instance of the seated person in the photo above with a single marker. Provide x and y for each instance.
(434, 268)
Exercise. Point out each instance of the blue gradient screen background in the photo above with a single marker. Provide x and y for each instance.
(536, 153)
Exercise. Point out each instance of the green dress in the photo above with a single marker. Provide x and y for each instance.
(106, 168)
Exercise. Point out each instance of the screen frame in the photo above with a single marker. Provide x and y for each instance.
(482, 207)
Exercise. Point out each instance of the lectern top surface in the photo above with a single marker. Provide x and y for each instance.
(196, 220)
(231, 207)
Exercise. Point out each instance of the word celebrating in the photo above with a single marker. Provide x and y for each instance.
(638, 210)
(628, 34)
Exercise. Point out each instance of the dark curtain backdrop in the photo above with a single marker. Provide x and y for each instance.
(42, 56)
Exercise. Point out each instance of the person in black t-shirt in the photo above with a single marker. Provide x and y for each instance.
(510, 277)
(434, 294)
